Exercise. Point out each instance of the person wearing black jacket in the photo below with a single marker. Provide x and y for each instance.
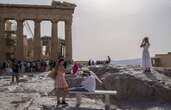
(15, 74)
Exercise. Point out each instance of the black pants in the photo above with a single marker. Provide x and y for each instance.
(15, 76)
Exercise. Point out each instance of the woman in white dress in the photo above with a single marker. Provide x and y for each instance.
(146, 60)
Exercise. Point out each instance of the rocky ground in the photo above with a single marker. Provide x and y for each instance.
(32, 94)
(165, 71)
(136, 91)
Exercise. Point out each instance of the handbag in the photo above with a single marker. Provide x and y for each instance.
(66, 90)
(52, 74)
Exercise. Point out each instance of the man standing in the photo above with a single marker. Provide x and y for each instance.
(15, 72)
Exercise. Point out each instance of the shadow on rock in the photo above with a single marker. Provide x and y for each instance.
(65, 108)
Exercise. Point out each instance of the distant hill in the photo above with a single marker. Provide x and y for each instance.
(128, 62)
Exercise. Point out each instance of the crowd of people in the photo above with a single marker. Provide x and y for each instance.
(92, 62)
(27, 66)
(14, 67)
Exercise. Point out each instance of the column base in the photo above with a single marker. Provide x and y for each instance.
(107, 107)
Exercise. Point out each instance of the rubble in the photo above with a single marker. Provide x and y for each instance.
(135, 89)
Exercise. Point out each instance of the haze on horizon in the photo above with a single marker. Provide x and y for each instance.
(115, 27)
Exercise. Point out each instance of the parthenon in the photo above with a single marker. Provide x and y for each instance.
(57, 11)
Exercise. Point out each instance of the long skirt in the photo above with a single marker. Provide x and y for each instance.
(146, 60)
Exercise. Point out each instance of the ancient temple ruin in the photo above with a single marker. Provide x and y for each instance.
(56, 12)
(162, 60)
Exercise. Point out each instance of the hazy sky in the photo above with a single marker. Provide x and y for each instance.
(116, 27)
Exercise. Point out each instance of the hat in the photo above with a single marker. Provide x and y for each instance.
(85, 69)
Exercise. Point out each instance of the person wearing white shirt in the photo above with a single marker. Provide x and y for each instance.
(88, 84)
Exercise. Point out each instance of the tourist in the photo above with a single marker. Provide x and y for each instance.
(31, 67)
(34, 66)
(52, 64)
(93, 62)
(3, 67)
(87, 85)
(9, 69)
(89, 82)
(22, 66)
(60, 82)
(28, 67)
(89, 63)
(15, 72)
(19, 66)
(108, 60)
(75, 69)
(66, 63)
(146, 60)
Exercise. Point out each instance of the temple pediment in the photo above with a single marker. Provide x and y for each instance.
(62, 4)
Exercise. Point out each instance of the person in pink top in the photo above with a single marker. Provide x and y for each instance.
(75, 68)
(61, 85)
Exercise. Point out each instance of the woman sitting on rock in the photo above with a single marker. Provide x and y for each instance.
(88, 84)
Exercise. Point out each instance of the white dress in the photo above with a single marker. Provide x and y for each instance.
(146, 60)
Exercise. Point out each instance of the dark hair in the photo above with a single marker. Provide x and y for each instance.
(146, 40)
(60, 60)
(58, 63)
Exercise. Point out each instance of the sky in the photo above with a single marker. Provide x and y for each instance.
(115, 28)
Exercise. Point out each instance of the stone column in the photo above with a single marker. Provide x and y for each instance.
(54, 40)
(37, 50)
(2, 39)
(2, 25)
(48, 48)
(20, 41)
(68, 40)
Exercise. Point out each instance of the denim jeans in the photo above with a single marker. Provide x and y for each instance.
(81, 89)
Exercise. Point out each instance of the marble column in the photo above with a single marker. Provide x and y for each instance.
(20, 41)
(54, 40)
(37, 50)
(2, 25)
(68, 40)
(2, 40)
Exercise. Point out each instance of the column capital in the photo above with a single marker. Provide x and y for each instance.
(19, 20)
(37, 20)
(54, 20)
(68, 21)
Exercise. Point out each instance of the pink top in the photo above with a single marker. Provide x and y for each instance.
(75, 68)
(60, 79)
